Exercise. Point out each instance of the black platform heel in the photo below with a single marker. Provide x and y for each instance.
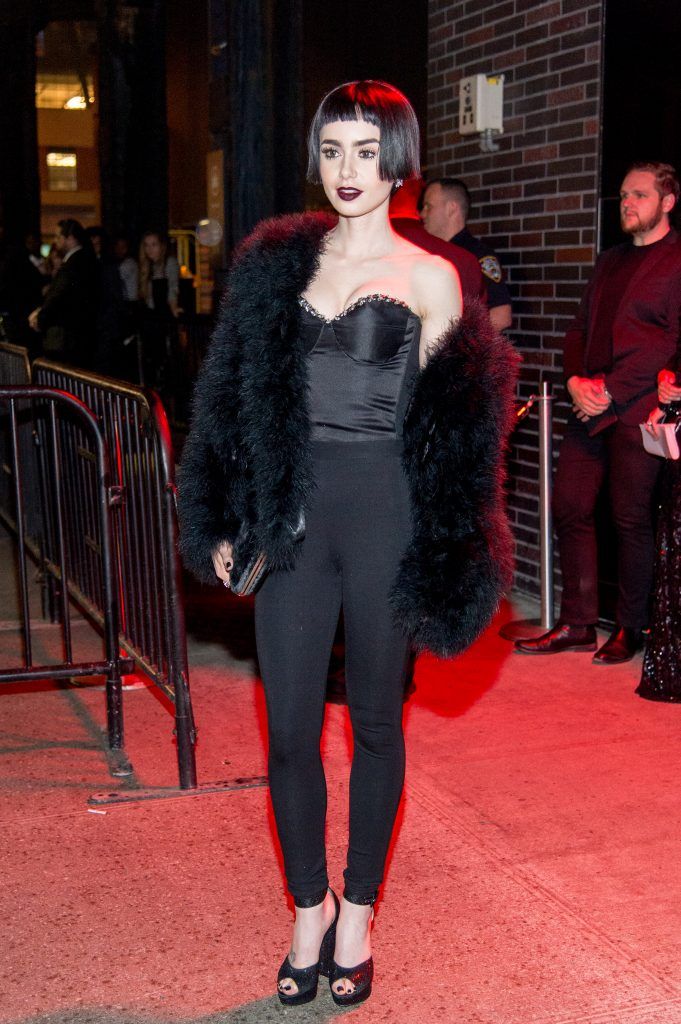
(360, 976)
(307, 978)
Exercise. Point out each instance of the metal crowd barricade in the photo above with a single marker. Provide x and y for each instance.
(152, 629)
(15, 367)
(58, 416)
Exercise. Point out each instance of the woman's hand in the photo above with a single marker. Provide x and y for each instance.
(666, 391)
(223, 561)
(654, 416)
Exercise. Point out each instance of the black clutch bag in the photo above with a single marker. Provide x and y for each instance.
(250, 562)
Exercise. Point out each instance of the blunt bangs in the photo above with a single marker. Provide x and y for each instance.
(379, 104)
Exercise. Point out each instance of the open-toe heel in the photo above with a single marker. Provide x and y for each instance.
(329, 941)
(307, 978)
(360, 976)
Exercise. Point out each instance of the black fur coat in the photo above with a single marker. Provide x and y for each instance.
(248, 452)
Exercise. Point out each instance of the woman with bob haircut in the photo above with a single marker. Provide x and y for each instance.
(345, 390)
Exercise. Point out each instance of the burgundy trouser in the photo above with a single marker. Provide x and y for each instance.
(584, 463)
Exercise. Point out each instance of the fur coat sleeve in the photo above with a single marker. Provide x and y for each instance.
(247, 454)
(460, 561)
(212, 474)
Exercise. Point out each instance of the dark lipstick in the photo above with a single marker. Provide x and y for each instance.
(348, 194)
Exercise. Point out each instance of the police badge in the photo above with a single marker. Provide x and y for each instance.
(491, 268)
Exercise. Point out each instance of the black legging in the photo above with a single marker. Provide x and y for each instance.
(356, 532)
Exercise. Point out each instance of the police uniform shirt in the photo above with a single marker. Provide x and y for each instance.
(497, 292)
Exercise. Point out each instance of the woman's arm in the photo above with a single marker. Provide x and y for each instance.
(461, 559)
(438, 291)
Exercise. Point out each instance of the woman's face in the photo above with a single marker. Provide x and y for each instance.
(153, 248)
(348, 163)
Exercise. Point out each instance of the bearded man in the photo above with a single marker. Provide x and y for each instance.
(624, 337)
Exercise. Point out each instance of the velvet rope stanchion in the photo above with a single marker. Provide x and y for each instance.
(522, 629)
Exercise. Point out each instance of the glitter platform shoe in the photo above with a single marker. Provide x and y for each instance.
(361, 976)
(307, 978)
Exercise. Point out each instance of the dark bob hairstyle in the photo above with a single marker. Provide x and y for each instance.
(379, 104)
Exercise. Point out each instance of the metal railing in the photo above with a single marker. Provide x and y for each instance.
(524, 628)
(55, 417)
(15, 367)
(152, 631)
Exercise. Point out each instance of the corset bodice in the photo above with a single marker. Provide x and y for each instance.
(361, 366)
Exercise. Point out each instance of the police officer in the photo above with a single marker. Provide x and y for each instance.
(444, 211)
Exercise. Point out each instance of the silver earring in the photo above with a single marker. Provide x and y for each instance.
(399, 183)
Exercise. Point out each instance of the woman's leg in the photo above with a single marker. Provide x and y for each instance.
(296, 614)
(377, 655)
(376, 531)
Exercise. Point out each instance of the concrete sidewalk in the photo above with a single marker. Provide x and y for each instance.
(534, 878)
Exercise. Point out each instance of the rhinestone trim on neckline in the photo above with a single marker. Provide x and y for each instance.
(361, 301)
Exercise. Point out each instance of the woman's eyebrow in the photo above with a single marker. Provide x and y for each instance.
(335, 142)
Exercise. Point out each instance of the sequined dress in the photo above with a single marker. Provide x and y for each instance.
(661, 678)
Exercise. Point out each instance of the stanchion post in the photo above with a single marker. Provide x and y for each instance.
(524, 628)
(545, 516)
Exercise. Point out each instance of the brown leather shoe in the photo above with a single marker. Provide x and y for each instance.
(621, 645)
(563, 637)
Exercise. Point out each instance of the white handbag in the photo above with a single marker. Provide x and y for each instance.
(661, 439)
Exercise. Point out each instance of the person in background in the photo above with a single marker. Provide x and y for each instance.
(53, 262)
(445, 210)
(70, 301)
(98, 240)
(661, 675)
(35, 257)
(21, 284)
(129, 348)
(159, 274)
(127, 268)
(52, 338)
(159, 283)
(110, 305)
(405, 219)
(626, 331)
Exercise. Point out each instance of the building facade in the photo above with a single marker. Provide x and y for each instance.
(536, 199)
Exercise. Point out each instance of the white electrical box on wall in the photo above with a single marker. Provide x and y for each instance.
(481, 104)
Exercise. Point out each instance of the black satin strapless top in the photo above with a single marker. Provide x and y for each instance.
(361, 367)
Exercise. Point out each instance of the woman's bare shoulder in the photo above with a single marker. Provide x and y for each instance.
(429, 265)
(433, 275)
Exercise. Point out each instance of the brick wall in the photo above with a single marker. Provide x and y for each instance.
(536, 200)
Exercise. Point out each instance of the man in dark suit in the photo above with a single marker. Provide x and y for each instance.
(70, 302)
(625, 335)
